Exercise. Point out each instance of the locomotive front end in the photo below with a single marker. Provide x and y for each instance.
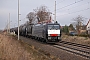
(54, 33)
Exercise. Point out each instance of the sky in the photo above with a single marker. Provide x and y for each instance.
(66, 10)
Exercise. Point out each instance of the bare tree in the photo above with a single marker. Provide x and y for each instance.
(31, 16)
(78, 23)
(42, 13)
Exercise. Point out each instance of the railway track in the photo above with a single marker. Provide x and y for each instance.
(82, 51)
(74, 48)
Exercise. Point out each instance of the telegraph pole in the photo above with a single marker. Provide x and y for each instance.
(55, 12)
(7, 25)
(9, 22)
(18, 19)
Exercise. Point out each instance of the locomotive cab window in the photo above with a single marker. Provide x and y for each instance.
(56, 27)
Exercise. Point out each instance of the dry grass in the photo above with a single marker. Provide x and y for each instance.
(76, 39)
(11, 49)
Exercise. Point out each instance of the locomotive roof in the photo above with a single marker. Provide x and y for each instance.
(52, 23)
(46, 24)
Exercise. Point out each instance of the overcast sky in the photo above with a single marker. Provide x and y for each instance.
(66, 10)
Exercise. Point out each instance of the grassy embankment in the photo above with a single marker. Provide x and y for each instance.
(12, 49)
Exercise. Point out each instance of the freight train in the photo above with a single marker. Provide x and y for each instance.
(50, 32)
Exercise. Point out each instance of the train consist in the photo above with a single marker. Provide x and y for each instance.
(49, 32)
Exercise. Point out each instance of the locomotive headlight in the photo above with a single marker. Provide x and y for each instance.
(58, 37)
(49, 37)
(48, 34)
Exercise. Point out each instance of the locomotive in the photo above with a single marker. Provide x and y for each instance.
(49, 32)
